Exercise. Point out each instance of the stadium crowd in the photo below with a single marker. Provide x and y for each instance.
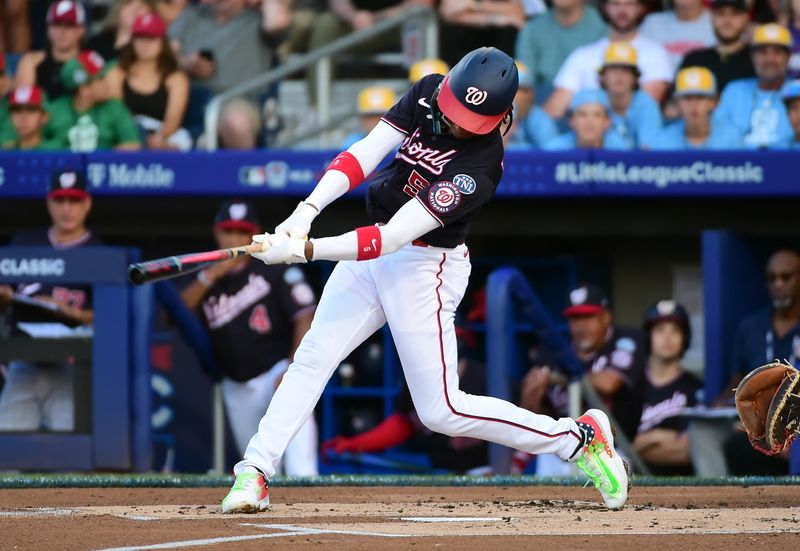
(615, 74)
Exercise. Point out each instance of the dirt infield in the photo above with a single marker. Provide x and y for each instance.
(473, 518)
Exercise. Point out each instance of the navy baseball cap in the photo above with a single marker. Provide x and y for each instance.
(68, 183)
(237, 215)
(586, 300)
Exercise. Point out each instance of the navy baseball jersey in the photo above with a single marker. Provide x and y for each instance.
(250, 316)
(452, 178)
(622, 353)
(77, 296)
(662, 405)
(756, 343)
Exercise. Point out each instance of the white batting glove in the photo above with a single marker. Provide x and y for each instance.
(280, 249)
(299, 222)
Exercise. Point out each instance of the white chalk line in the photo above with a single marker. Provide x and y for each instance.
(454, 519)
(288, 530)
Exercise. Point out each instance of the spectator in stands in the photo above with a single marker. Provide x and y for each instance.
(531, 127)
(347, 16)
(221, 44)
(373, 102)
(469, 25)
(66, 27)
(302, 16)
(425, 67)
(87, 121)
(791, 99)
(612, 357)
(696, 96)
(681, 30)
(590, 121)
(6, 82)
(729, 59)
(169, 10)
(580, 68)
(662, 438)
(41, 397)
(116, 30)
(635, 116)
(28, 119)
(753, 106)
(15, 29)
(148, 81)
(256, 316)
(546, 40)
(792, 22)
(770, 333)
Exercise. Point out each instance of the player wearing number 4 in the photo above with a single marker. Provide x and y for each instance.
(255, 316)
(410, 270)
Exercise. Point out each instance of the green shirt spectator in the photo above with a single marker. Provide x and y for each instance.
(546, 40)
(87, 121)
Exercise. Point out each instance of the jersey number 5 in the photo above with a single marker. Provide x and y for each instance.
(259, 320)
(416, 183)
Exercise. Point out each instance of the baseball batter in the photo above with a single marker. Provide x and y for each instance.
(410, 270)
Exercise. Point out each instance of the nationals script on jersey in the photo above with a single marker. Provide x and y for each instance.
(452, 178)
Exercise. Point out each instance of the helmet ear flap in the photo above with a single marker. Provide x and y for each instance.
(435, 113)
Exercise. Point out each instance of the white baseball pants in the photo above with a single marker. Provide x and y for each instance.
(245, 404)
(38, 397)
(416, 291)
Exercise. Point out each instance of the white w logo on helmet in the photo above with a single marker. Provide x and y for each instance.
(475, 96)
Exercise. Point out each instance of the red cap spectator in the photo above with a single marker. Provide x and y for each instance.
(586, 300)
(2, 63)
(26, 96)
(150, 25)
(66, 12)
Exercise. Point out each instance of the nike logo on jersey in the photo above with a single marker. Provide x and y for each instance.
(423, 103)
(374, 244)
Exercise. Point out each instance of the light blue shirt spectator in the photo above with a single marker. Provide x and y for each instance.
(673, 137)
(757, 116)
(534, 131)
(568, 141)
(641, 122)
(544, 42)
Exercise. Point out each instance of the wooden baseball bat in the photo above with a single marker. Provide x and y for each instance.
(173, 266)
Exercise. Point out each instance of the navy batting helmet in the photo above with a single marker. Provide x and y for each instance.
(478, 92)
(668, 310)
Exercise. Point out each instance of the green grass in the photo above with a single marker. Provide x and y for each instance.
(159, 480)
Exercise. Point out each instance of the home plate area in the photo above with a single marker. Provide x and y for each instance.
(401, 518)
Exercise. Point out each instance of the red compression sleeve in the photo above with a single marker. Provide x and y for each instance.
(394, 430)
(347, 164)
(369, 242)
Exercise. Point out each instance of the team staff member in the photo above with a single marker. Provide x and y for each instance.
(410, 270)
(662, 439)
(612, 357)
(255, 315)
(40, 396)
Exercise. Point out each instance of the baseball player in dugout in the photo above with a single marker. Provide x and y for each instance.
(256, 316)
(662, 439)
(612, 357)
(410, 269)
(39, 396)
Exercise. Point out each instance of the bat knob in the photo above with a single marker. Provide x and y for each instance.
(135, 274)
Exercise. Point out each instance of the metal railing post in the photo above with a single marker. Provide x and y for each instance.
(431, 34)
(212, 122)
(324, 75)
(218, 420)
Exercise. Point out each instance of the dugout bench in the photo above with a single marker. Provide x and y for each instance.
(113, 430)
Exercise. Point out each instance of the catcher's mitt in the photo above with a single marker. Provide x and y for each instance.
(768, 404)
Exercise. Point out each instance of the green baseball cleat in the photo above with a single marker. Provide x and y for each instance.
(248, 495)
(601, 462)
